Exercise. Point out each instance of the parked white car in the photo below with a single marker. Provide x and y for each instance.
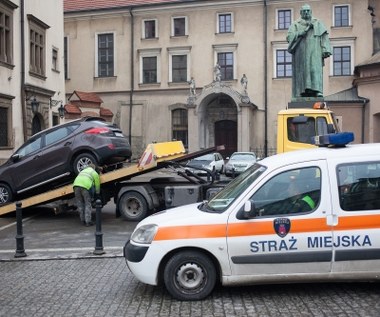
(239, 162)
(212, 162)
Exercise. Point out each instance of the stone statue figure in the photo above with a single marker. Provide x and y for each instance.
(309, 45)
(244, 83)
(218, 74)
(192, 86)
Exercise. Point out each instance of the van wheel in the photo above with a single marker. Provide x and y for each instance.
(83, 160)
(5, 194)
(132, 206)
(190, 275)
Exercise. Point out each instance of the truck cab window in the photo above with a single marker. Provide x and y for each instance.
(301, 131)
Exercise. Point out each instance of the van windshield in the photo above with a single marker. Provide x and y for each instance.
(221, 201)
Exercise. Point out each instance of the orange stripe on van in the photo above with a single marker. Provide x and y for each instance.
(191, 232)
(258, 228)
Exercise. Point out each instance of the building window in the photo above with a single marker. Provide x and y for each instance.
(226, 63)
(179, 126)
(54, 59)
(150, 66)
(225, 23)
(150, 29)
(105, 51)
(6, 33)
(283, 64)
(179, 64)
(37, 44)
(179, 68)
(342, 61)
(149, 70)
(5, 122)
(66, 56)
(179, 26)
(284, 19)
(341, 16)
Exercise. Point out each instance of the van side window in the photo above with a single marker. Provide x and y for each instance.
(292, 192)
(359, 186)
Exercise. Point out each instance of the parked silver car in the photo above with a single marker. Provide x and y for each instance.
(239, 162)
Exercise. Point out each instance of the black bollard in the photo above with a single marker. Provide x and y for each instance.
(20, 251)
(98, 233)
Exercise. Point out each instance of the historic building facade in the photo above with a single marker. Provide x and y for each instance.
(213, 72)
(31, 69)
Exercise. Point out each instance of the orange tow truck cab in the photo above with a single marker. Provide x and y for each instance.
(297, 127)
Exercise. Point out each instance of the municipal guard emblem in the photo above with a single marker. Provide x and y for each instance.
(281, 226)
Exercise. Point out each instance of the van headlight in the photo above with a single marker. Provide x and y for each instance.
(144, 234)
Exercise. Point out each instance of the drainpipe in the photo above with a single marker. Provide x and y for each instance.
(22, 86)
(363, 118)
(265, 79)
(132, 76)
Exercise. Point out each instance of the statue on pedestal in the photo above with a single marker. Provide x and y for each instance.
(309, 44)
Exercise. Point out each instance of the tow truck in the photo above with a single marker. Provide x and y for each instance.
(135, 200)
(301, 122)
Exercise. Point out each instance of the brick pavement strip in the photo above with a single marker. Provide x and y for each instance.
(105, 287)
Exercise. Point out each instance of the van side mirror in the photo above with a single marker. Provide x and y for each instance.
(249, 210)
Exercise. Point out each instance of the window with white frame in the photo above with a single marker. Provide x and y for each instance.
(225, 23)
(225, 57)
(54, 59)
(179, 26)
(342, 61)
(341, 15)
(37, 46)
(283, 63)
(226, 63)
(150, 66)
(150, 29)
(284, 19)
(6, 32)
(179, 64)
(105, 55)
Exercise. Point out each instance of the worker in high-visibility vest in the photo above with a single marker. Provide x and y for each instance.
(86, 187)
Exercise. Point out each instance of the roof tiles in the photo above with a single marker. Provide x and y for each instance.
(82, 5)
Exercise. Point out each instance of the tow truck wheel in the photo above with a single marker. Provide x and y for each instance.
(5, 194)
(133, 206)
(190, 275)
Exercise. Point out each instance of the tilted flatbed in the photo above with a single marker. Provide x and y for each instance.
(156, 156)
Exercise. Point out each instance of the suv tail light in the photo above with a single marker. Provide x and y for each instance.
(99, 131)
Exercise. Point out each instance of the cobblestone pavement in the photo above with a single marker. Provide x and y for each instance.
(60, 276)
(105, 287)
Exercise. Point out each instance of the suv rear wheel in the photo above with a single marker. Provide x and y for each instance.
(83, 160)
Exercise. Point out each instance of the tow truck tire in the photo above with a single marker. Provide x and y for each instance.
(190, 275)
(133, 206)
(6, 195)
(82, 160)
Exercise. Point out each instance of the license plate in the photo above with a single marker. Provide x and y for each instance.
(119, 134)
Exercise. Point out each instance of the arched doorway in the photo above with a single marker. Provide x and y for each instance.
(226, 134)
(217, 119)
(36, 124)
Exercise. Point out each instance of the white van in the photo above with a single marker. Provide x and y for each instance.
(308, 215)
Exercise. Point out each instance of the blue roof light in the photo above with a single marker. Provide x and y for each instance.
(334, 139)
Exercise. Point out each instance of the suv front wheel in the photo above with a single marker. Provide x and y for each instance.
(5, 194)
